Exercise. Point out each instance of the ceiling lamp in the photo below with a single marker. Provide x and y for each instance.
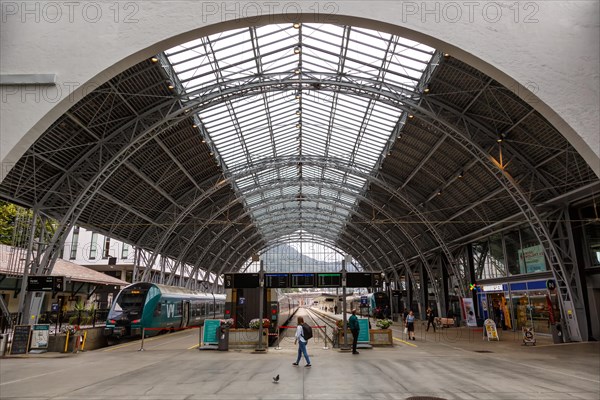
(426, 90)
(170, 85)
(297, 25)
(154, 59)
(410, 116)
(299, 111)
(297, 50)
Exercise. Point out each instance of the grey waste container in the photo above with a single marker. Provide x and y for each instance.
(557, 334)
(223, 336)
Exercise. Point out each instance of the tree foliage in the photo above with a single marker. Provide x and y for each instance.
(8, 213)
(8, 218)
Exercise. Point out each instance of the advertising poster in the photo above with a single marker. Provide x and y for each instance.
(531, 259)
(40, 336)
(490, 330)
(469, 311)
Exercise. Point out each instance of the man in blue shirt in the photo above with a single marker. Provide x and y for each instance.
(354, 328)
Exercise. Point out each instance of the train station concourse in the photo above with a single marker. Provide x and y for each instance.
(241, 164)
(444, 365)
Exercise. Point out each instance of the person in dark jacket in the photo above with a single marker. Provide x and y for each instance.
(430, 319)
(355, 329)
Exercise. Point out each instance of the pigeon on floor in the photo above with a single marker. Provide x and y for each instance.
(276, 379)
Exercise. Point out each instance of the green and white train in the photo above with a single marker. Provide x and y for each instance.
(159, 309)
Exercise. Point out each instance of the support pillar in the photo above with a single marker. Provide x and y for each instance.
(409, 291)
(424, 292)
(25, 297)
(444, 295)
(472, 277)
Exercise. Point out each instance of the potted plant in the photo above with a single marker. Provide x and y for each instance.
(255, 323)
(384, 323)
(227, 323)
(383, 335)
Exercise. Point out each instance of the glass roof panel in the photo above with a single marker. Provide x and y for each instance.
(311, 132)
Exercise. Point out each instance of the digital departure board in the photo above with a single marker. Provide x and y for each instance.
(245, 281)
(276, 280)
(359, 279)
(45, 283)
(302, 280)
(329, 280)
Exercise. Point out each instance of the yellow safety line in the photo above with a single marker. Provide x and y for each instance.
(194, 346)
(410, 344)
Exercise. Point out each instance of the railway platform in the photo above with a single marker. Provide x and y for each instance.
(450, 364)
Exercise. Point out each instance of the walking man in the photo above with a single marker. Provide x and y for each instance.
(354, 328)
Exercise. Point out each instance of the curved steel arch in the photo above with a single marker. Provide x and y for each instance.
(285, 199)
(426, 115)
(283, 183)
(323, 235)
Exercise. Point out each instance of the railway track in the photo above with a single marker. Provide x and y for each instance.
(321, 319)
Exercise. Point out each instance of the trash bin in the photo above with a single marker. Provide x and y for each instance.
(223, 336)
(557, 334)
(3, 341)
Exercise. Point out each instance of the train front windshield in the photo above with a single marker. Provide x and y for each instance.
(128, 303)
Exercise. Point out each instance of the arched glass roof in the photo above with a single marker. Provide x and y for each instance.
(299, 119)
(226, 146)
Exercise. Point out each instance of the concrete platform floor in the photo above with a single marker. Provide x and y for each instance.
(454, 364)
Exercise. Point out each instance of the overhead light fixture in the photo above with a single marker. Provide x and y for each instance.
(194, 126)
(297, 50)
(439, 192)
(297, 71)
(446, 55)
(410, 116)
(154, 59)
(203, 140)
(461, 174)
(212, 154)
(297, 25)
(298, 96)
(499, 140)
(170, 85)
(426, 90)
(299, 111)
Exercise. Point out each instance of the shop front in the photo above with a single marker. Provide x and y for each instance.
(531, 304)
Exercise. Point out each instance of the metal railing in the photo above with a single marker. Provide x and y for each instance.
(80, 318)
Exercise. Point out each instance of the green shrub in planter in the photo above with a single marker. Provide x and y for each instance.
(384, 323)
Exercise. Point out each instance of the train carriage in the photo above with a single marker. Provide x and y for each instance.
(161, 308)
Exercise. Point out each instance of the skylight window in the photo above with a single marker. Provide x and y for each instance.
(304, 124)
